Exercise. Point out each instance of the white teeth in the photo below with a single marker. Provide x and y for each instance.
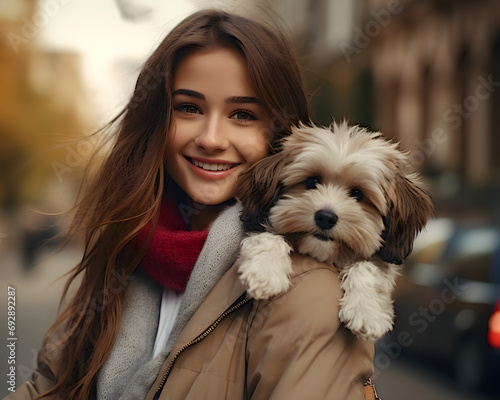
(211, 167)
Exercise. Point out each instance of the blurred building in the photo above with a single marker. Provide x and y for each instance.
(436, 74)
(340, 87)
(425, 72)
(42, 104)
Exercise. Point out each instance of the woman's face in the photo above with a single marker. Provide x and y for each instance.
(219, 127)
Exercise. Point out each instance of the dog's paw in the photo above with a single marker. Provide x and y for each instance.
(366, 308)
(365, 323)
(262, 285)
(264, 265)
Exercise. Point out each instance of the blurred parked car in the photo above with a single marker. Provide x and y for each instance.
(448, 301)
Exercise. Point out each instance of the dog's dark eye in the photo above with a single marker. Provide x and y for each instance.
(357, 194)
(312, 182)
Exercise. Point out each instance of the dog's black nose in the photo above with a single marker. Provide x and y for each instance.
(325, 219)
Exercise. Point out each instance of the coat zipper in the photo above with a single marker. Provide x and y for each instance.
(237, 304)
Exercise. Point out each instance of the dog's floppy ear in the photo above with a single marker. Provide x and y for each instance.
(410, 210)
(259, 188)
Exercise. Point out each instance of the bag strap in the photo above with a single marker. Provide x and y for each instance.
(370, 391)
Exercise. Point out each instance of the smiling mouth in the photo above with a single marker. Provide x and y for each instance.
(211, 167)
(323, 237)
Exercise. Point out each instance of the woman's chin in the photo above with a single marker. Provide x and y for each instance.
(210, 201)
(211, 195)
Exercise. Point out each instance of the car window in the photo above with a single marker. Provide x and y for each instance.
(473, 255)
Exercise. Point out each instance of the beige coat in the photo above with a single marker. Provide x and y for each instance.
(289, 347)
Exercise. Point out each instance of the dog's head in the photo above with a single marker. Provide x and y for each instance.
(336, 193)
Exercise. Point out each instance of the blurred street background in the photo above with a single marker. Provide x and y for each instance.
(424, 72)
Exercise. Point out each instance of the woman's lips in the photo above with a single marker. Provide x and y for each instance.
(211, 169)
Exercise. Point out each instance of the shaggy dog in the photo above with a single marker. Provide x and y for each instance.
(343, 196)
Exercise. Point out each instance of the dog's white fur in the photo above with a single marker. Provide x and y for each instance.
(366, 307)
(344, 159)
(256, 252)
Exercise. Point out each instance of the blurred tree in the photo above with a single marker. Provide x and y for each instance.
(33, 113)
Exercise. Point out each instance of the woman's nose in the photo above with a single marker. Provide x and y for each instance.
(212, 138)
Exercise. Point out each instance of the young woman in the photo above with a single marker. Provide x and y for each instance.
(160, 312)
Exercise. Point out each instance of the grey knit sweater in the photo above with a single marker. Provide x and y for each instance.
(129, 371)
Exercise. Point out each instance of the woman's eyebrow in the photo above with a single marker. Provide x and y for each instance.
(243, 100)
(228, 100)
(190, 93)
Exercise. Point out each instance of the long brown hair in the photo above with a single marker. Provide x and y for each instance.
(125, 194)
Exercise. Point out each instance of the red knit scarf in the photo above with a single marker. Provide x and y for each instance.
(173, 250)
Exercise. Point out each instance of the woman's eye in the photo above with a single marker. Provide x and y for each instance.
(244, 116)
(357, 194)
(187, 108)
(312, 182)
